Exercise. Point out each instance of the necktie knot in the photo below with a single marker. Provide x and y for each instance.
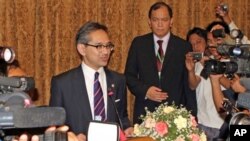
(96, 75)
(160, 43)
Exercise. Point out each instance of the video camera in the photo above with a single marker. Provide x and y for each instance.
(238, 56)
(17, 113)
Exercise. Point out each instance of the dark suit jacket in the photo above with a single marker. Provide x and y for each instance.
(141, 73)
(68, 90)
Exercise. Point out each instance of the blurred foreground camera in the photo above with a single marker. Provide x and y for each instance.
(7, 54)
(236, 117)
(218, 67)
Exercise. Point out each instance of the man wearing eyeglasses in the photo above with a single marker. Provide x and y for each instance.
(91, 91)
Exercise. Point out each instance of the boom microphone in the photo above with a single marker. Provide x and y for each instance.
(35, 117)
(17, 83)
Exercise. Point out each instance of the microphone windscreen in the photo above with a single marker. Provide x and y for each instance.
(244, 100)
(37, 117)
(10, 81)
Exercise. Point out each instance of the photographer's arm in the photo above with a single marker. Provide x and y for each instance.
(224, 15)
(236, 85)
(193, 79)
(216, 90)
(225, 82)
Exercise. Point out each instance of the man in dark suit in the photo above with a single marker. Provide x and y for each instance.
(155, 69)
(91, 91)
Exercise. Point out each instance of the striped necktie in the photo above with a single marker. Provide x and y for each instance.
(160, 56)
(99, 108)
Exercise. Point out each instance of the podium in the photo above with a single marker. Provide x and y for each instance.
(140, 139)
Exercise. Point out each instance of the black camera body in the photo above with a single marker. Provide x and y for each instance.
(18, 115)
(218, 67)
(219, 33)
(197, 55)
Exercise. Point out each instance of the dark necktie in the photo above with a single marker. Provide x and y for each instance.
(160, 55)
(99, 108)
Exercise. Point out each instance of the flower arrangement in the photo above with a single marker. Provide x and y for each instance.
(169, 123)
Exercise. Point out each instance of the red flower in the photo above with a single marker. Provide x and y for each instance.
(161, 128)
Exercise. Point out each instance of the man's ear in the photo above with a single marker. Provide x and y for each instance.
(149, 23)
(171, 22)
(81, 49)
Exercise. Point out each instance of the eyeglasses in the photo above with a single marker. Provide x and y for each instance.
(100, 47)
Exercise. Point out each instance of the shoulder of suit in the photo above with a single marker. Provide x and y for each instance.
(114, 74)
(69, 73)
(145, 36)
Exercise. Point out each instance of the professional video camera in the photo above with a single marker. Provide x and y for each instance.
(17, 113)
(237, 54)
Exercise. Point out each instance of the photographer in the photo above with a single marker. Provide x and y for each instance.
(208, 118)
(223, 13)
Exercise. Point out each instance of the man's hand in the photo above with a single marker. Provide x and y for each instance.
(156, 94)
(71, 135)
(236, 85)
(190, 62)
(129, 131)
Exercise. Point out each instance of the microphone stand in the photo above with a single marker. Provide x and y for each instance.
(110, 93)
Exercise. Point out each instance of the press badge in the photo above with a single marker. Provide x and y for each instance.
(98, 118)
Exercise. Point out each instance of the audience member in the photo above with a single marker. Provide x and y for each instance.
(155, 68)
(74, 90)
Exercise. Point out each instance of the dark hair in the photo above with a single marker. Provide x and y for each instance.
(199, 31)
(82, 35)
(158, 5)
(211, 25)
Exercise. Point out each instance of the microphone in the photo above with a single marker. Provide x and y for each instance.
(110, 94)
(35, 117)
(18, 83)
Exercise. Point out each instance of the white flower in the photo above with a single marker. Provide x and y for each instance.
(137, 130)
(168, 109)
(180, 122)
(149, 122)
(203, 137)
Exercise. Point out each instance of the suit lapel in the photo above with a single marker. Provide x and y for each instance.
(82, 93)
(169, 52)
(150, 52)
(110, 95)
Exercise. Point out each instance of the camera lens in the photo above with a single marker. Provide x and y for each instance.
(217, 67)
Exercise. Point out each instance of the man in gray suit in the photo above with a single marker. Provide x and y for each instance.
(91, 91)
(155, 69)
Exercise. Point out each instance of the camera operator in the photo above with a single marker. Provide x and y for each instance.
(208, 118)
(222, 11)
